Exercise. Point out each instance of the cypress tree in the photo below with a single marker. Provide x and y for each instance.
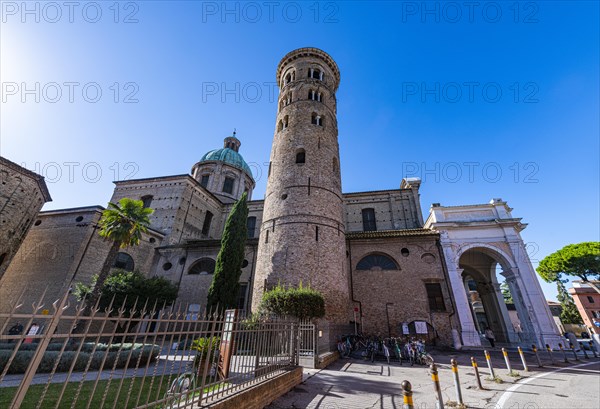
(223, 291)
(569, 314)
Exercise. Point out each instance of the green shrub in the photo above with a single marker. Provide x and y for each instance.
(19, 363)
(301, 302)
(205, 346)
(23, 358)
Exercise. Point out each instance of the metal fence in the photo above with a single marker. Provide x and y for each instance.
(146, 357)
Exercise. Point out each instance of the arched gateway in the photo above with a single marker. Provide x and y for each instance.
(493, 282)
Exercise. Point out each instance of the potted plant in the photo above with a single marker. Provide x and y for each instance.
(206, 350)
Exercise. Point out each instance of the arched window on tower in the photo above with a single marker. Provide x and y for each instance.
(377, 262)
(285, 122)
(316, 119)
(300, 156)
(311, 94)
(315, 73)
(288, 78)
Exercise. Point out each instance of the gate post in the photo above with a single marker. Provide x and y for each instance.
(58, 307)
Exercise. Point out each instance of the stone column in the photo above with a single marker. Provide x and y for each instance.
(469, 334)
(534, 300)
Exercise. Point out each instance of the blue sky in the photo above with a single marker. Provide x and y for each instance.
(496, 100)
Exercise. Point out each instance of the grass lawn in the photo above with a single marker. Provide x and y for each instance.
(112, 394)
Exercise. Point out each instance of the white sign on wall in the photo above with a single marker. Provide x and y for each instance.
(420, 327)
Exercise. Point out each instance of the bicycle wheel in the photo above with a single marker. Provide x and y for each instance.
(428, 359)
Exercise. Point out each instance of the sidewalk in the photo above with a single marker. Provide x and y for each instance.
(356, 384)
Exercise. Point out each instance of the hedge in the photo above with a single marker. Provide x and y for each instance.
(87, 347)
(23, 358)
(301, 302)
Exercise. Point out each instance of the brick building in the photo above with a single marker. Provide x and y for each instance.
(22, 195)
(379, 264)
(587, 299)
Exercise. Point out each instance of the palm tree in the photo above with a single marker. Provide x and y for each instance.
(123, 224)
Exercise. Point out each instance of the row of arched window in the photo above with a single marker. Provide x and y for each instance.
(289, 97)
(315, 119)
(313, 73)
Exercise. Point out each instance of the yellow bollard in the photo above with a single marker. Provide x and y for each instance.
(574, 352)
(510, 371)
(537, 357)
(489, 362)
(407, 392)
(523, 360)
(459, 398)
(474, 363)
(550, 353)
(563, 352)
(436, 385)
(593, 349)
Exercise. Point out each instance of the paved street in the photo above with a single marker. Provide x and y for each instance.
(356, 384)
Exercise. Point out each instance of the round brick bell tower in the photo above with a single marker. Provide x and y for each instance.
(302, 233)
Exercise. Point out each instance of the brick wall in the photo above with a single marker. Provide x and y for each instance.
(22, 195)
(399, 295)
(259, 396)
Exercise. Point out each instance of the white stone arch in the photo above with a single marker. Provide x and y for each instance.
(507, 262)
(491, 230)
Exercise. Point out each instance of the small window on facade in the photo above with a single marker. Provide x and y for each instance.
(241, 303)
(288, 78)
(285, 122)
(203, 266)
(206, 225)
(435, 297)
(251, 224)
(590, 299)
(204, 180)
(369, 223)
(124, 261)
(316, 233)
(147, 200)
(266, 236)
(228, 185)
(280, 125)
(269, 172)
(301, 156)
(311, 94)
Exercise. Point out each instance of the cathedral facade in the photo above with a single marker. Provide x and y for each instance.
(381, 267)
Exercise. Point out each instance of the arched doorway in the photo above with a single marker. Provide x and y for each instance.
(489, 285)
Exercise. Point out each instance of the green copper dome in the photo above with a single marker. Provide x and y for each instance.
(229, 155)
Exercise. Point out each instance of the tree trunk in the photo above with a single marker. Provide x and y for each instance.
(106, 267)
(91, 300)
